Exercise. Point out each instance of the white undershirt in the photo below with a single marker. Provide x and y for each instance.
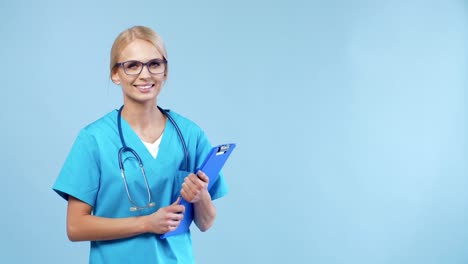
(153, 148)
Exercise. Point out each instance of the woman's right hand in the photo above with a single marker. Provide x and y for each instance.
(166, 219)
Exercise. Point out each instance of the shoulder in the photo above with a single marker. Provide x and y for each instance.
(103, 125)
(98, 131)
(185, 124)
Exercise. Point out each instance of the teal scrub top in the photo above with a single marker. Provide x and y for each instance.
(91, 174)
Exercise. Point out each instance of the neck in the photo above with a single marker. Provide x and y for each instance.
(141, 116)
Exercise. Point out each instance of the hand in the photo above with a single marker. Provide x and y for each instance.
(195, 187)
(166, 219)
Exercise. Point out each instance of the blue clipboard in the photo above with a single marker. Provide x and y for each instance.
(211, 166)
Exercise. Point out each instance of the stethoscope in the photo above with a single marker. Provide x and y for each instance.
(126, 148)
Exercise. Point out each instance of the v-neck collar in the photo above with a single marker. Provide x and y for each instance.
(134, 141)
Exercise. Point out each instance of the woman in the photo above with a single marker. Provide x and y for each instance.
(124, 214)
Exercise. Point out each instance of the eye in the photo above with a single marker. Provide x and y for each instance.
(154, 64)
(132, 65)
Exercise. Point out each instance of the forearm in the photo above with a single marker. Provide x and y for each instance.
(204, 212)
(82, 225)
(93, 228)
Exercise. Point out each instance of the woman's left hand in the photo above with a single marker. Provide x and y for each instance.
(195, 187)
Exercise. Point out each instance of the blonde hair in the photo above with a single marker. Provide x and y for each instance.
(131, 34)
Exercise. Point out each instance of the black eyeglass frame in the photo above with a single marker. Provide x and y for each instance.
(121, 64)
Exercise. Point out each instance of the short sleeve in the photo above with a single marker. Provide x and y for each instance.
(80, 173)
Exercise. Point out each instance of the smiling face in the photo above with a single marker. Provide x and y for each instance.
(143, 87)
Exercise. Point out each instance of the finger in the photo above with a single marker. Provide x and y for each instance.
(180, 208)
(177, 209)
(194, 180)
(187, 194)
(177, 217)
(177, 201)
(200, 182)
(190, 186)
(173, 222)
(202, 176)
(173, 226)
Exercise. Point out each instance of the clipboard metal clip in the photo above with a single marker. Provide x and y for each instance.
(223, 149)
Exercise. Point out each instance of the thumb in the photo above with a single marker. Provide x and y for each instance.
(176, 202)
(202, 176)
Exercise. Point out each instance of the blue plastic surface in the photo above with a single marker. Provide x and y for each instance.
(211, 166)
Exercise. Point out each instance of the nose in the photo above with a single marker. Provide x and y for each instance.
(145, 72)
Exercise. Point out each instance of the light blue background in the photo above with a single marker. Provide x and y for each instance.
(350, 119)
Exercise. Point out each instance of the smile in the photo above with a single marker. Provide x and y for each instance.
(144, 87)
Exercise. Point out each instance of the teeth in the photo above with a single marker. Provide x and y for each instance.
(145, 86)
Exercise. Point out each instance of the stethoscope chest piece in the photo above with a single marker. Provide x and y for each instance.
(125, 149)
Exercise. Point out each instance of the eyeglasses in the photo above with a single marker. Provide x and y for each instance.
(133, 67)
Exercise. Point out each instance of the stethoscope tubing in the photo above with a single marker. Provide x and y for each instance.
(125, 148)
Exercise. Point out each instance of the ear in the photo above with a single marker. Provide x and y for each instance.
(115, 77)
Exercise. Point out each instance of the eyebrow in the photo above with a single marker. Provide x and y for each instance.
(162, 59)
